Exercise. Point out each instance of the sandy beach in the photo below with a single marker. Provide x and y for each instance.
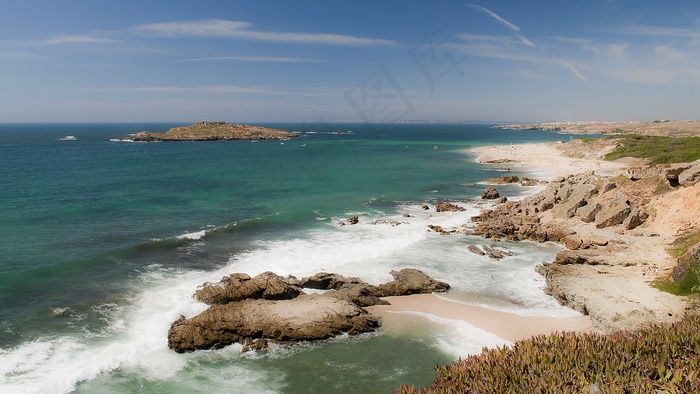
(544, 160)
(509, 326)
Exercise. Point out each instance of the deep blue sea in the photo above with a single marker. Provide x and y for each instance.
(103, 242)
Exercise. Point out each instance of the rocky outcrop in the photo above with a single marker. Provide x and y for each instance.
(578, 196)
(690, 176)
(634, 219)
(410, 281)
(237, 287)
(272, 309)
(502, 180)
(448, 207)
(308, 317)
(496, 254)
(490, 193)
(615, 211)
(352, 289)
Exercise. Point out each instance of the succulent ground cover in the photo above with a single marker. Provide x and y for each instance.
(662, 359)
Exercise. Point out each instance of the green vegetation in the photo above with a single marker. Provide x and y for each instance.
(685, 279)
(659, 359)
(659, 150)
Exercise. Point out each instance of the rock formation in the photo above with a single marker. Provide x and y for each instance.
(308, 317)
(490, 193)
(448, 207)
(271, 309)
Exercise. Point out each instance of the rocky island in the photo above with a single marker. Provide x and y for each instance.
(215, 131)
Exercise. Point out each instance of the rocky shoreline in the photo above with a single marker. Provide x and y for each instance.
(612, 227)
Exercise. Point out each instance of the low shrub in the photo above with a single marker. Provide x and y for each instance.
(659, 150)
(657, 359)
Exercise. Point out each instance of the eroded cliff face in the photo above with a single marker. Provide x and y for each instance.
(614, 229)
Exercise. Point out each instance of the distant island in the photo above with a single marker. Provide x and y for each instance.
(214, 131)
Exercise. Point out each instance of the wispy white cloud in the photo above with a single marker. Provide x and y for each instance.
(596, 48)
(642, 75)
(658, 31)
(573, 69)
(222, 89)
(180, 89)
(241, 30)
(255, 59)
(516, 30)
(20, 55)
(487, 38)
(61, 39)
(74, 39)
(494, 47)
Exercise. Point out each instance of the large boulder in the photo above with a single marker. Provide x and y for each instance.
(490, 193)
(308, 317)
(502, 180)
(410, 281)
(637, 173)
(351, 289)
(448, 207)
(587, 212)
(577, 197)
(635, 218)
(614, 211)
(327, 281)
(690, 176)
(239, 286)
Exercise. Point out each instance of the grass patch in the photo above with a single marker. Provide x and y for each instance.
(658, 359)
(685, 278)
(659, 150)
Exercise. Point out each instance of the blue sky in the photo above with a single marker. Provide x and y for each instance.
(185, 61)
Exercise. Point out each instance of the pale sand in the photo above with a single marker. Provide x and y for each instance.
(509, 326)
(544, 160)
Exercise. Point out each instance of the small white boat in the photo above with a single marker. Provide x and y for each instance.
(68, 138)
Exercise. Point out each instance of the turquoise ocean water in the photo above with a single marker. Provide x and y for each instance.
(103, 242)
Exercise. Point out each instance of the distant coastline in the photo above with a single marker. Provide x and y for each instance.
(672, 128)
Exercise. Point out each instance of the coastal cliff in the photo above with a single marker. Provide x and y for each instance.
(214, 131)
